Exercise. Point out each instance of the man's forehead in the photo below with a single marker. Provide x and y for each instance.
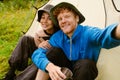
(65, 13)
(64, 10)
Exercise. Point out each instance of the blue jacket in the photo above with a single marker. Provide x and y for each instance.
(85, 43)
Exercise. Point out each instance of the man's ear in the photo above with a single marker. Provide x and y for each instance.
(77, 18)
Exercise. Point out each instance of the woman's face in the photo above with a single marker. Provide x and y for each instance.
(46, 22)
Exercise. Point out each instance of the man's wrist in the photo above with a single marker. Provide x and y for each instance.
(48, 66)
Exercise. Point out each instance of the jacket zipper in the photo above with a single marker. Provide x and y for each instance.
(70, 48)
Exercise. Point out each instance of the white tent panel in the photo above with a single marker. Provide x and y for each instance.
(97, 13)
(87, 8)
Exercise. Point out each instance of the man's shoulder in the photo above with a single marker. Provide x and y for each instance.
(58, 33)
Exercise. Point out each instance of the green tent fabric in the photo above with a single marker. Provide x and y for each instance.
(99, 13)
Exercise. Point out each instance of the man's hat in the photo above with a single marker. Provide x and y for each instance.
(47, 9)
(81, 17)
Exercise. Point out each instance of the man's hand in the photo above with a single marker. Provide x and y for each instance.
(44, 45)
(55, 72)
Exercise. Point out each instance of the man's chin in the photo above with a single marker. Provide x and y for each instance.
(65, 32)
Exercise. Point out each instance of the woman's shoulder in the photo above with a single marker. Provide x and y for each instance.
(41, 33)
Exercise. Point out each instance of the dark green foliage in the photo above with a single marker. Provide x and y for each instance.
(15, 16)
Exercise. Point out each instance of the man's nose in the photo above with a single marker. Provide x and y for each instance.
(63, 20)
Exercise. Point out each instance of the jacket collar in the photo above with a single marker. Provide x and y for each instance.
(76, 32)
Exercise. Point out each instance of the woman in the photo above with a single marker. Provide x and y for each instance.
(27, 45)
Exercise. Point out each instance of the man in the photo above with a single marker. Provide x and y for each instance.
(80, 44)
(26, 46)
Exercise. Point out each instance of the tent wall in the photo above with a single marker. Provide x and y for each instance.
(98, 13)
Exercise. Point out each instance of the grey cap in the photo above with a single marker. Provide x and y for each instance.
(47, 9)
(81, 17)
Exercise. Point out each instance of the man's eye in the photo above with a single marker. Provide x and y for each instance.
(59, 19)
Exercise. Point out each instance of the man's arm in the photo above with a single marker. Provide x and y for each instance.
(39, 58)
(55, 72)
(44, 45)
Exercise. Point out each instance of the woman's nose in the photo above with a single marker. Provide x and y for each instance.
(45, 20)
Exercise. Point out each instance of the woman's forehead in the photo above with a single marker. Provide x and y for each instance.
(45, 13)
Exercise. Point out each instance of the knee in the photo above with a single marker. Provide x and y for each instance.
(25, 38)
(86, 67)
(56, 53)
(57, 56)
(85, 63)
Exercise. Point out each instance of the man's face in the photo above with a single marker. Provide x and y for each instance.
(67, 21)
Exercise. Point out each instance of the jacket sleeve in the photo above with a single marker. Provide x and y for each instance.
(39, 58)
(104, 37)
